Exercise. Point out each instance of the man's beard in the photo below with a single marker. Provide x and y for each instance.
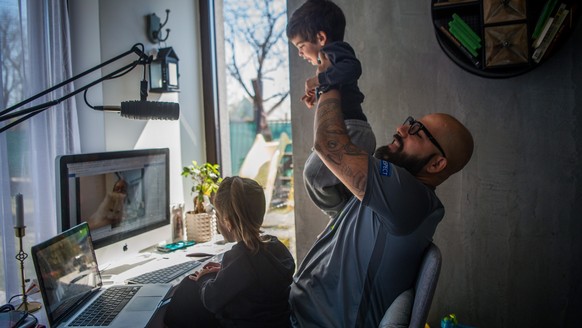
(410, 163)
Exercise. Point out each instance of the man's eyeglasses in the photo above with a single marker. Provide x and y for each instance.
(416, 126)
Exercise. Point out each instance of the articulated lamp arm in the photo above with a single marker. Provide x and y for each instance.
(29, 112)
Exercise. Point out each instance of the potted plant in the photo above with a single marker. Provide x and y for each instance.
(206, 179)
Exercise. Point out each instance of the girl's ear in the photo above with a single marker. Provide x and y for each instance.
(321, 38)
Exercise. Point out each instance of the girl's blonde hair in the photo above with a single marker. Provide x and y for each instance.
(241, 201)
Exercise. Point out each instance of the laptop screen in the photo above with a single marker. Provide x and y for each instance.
(66, 269)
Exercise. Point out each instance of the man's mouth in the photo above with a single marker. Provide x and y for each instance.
(397, 142)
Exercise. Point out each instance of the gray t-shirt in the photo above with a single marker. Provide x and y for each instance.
(369, 254)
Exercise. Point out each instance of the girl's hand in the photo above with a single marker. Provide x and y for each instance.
(208, 268)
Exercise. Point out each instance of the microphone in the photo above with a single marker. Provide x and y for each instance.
(145, 110)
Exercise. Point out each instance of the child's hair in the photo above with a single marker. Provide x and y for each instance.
(314, 16)
(242, 201)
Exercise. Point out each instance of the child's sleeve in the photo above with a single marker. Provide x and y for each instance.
(234, 277)
(345, 68)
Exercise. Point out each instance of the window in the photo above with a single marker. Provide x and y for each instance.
(15, 171)
(249, 83)
(34, 56)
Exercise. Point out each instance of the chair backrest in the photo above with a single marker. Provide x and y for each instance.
(426, 282)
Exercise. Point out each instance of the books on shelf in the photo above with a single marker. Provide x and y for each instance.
(544, 43)
(465, 35)
(544, 16)
(543, 33)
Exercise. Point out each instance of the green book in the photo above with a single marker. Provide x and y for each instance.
(463, 40)
(466, 27)
(470, 43)
(476, 44)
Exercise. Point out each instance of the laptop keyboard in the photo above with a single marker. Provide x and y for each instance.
(165, 275)
(106, 307)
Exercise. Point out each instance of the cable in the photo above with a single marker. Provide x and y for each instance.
(6, 308)
(13, 297)
(135, 63)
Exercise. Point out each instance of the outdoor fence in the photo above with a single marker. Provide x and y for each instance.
(242, 136)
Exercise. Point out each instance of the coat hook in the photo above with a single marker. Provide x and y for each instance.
(155, 27)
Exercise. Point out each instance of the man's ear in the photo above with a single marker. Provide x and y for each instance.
(437, 164)
(321, 38)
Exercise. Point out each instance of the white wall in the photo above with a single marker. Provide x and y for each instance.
(107, 28)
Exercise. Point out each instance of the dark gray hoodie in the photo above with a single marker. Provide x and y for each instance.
(252, 290)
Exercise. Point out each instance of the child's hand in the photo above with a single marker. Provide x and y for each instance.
(309, 99)
(208, 268)
(310, 84)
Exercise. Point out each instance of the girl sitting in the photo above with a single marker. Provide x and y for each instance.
(250, 288)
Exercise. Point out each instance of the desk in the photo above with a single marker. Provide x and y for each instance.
(149, 260)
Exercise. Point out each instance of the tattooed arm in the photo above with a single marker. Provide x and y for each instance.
(333, 145)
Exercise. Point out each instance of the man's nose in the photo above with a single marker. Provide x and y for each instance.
(402, 129)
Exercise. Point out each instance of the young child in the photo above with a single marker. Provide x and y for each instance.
(317, 27)
(250, 288)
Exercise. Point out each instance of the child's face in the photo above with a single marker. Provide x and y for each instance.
(307, 50)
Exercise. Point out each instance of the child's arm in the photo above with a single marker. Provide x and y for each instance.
(233, 278)
(311, 84)
(344, 67)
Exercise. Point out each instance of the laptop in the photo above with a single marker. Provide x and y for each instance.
(73, 292)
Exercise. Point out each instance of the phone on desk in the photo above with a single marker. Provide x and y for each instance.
(175, 246)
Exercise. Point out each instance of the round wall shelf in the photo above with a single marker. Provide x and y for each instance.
(502, 38)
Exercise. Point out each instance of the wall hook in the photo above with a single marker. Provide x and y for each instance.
(154, 28)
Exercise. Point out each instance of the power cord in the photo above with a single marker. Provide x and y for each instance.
(6, 308)
(13, 297)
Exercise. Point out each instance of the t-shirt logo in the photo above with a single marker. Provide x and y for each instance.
(385, 168)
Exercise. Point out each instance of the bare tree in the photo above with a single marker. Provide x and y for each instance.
(11, 58)
(258, 25)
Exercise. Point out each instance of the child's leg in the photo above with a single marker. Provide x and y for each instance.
(323, 187)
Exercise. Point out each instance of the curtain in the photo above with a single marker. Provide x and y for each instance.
(28, 151)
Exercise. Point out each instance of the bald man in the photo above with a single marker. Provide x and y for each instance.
(370, 253)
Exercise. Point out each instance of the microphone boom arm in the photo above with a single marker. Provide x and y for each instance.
(29, 112)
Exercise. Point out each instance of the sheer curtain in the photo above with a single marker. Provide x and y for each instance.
(28, 151)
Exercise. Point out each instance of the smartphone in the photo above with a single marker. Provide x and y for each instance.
(175, 246)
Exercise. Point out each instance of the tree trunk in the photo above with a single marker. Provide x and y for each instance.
(260, 117)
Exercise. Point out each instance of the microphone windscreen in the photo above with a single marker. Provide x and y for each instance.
(150, 110)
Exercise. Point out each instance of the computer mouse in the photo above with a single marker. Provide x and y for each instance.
(199, 254)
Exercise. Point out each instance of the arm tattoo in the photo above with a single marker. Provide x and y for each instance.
(335, 148)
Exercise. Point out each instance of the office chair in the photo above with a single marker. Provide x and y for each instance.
(397, 315)
(425, 286)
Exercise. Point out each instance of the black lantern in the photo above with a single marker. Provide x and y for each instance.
(164, 72)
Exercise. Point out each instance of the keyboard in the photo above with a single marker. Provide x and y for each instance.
(106, 307)
(165, 275)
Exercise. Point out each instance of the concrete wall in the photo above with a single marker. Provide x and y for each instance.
(511, 234)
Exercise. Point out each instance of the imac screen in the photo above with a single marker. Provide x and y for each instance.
(119, 194)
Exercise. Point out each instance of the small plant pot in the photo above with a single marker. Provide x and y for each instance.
(200, 227)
